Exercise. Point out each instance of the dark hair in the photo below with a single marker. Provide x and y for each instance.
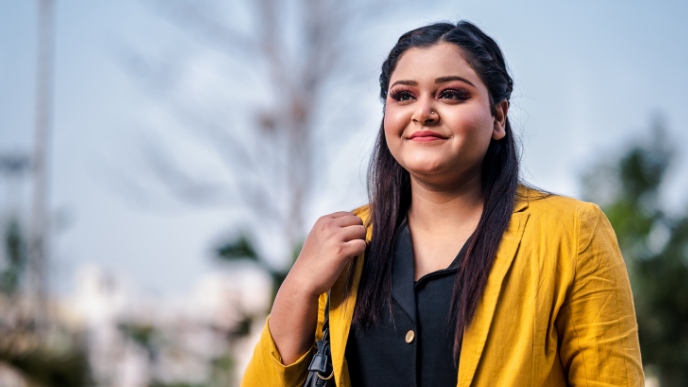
(390, 190)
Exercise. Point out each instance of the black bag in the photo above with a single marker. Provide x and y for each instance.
(320, 371)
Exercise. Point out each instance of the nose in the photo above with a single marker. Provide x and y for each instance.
(425, 113)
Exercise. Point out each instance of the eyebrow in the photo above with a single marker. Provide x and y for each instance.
(437, 81)
(452, 78)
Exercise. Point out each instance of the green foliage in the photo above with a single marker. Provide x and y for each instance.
(143, 335)
(48, 369)
(222, 367)
(223, 362)
(222, 371)
(241, 248)
(40, 362)
(15, 252)
(243, 328)
(655, 247)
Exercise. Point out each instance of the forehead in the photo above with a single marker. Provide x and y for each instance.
(439, 60)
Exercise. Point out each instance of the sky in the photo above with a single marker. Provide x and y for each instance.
(589, 77)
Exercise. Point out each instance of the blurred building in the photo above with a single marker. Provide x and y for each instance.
(133, 339)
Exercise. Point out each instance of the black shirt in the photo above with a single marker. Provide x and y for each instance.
(415, 347)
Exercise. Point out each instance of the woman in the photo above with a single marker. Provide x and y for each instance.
(538, 294)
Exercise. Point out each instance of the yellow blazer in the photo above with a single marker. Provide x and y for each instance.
(557, 309)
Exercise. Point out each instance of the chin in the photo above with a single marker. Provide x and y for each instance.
(426, 167)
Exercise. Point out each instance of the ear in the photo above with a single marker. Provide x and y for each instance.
(499, 129)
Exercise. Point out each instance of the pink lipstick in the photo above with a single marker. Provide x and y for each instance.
(426, 136)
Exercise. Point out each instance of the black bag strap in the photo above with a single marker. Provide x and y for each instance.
(320, 371)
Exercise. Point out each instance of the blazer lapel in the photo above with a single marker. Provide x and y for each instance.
(476, 334)
(342, 309)
(341, 314)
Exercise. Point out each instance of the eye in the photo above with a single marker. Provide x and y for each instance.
(455, 94)
(401, 95)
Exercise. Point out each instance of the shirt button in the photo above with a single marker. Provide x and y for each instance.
(410, 336)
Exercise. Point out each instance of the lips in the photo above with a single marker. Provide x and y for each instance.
(426, 136)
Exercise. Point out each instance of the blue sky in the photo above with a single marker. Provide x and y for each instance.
(588, 74)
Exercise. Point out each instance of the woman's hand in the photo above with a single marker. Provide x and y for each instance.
(333, 241)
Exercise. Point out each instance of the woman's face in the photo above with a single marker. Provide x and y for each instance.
(438, 121)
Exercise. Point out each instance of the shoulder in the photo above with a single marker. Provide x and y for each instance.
(564, 218)
(558, 208)
(576, 232)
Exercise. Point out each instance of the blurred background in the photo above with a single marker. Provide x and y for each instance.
(161, 162)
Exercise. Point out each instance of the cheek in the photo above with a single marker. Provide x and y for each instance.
(392, 137)
(395, 121)
(388, 124)
(393, 131)
(474, 124)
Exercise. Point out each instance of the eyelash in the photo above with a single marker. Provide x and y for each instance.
(457, 94)
(398, 94)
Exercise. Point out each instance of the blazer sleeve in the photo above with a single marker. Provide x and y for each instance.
(266, 368)
(597, 325)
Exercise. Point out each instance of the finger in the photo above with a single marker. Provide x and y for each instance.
(345, 221)
(354, 247)
(339, 214)
(353, 232)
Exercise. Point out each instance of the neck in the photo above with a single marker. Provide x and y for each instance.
(447, 209)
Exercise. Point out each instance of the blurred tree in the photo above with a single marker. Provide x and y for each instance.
(31, 353)
(155, 341)
(43, 367)
(242, 248)
(654, 242)
(15, 256)
(144, 335)
(282, 101)
(289, 69)
(283, 58)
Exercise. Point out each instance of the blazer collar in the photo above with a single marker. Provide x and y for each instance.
(523, 196)
(403, 273)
